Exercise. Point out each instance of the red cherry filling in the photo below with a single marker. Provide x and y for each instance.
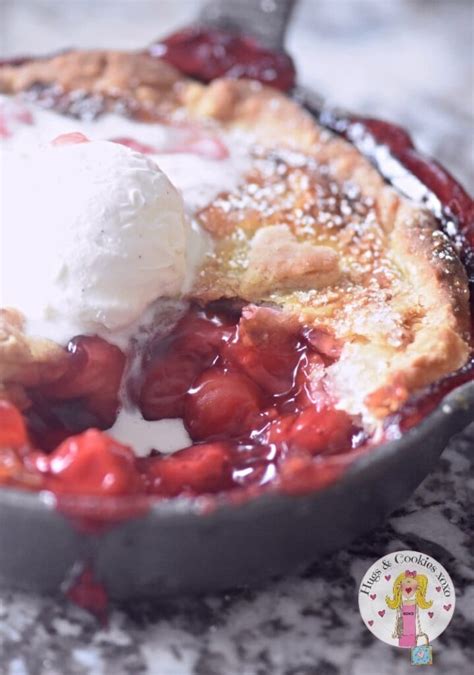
(198, 469)
(12, 427)
(266, 346)
(94, 375)
(206, 54)
(189, 140)
(324, 342)
(221, 403)
(72, 138)
(171, 366)
(86, 592)
(314, 431)
(251, 391)
(301, 474)
(13, 444)
(133, 144)
(92, 463)
(262, 368)
(310, 381)
(249, 387)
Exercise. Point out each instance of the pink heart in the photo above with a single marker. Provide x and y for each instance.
(373, 596)
(382, 612)
(371, 623)
(388, 577)
(438, 588)
(447, 607)
(431, 614)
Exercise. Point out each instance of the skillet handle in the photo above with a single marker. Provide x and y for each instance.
(266, 20)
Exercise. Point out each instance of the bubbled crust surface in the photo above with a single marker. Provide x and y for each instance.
(396, 295)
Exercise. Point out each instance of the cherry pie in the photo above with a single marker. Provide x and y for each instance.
(324, 303)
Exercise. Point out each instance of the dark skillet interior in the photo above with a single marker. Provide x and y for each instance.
(176, 548)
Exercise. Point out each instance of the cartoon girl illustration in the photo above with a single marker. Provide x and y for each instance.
(409, 596)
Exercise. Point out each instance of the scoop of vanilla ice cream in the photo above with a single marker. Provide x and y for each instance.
(91, 234)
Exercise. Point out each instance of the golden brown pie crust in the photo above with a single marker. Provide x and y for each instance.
(351, 255)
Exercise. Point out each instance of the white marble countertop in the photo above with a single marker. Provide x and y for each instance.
(305, 625)
(407, 60)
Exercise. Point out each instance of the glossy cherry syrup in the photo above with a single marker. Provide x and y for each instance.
(248, 385)
(207, 54)
(86, 592)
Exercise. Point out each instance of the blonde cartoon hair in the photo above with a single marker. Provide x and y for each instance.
(420, 599)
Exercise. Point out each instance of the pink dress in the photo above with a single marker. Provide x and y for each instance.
(408, 637)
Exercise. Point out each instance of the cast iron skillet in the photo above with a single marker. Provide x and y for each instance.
(175, 547)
